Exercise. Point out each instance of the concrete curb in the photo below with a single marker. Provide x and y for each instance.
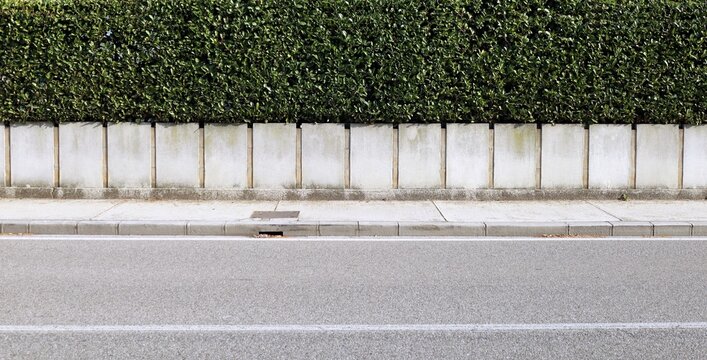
(356, 228)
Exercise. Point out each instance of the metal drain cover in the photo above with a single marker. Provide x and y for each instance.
(274, 215)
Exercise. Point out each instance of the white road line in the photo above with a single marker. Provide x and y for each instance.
(474, 328)
(333, 238)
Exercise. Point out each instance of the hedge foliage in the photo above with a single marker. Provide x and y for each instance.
(582, 61)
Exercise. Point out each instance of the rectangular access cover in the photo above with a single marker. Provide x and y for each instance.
(275, 215)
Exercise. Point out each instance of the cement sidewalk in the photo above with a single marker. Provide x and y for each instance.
(355, 218)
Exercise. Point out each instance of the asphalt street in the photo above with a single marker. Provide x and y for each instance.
(73, 297)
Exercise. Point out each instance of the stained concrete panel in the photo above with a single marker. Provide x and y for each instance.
(177, 150)
(226, 156)
(467, 156)
(657, 156)
(609, 156)
(274, 156)
(129, 155)
(420, 158)
(514, 156)
(562, 156)
(695, 157)
(81, 155)
(32, 154)
(371, 156)
(323, 151)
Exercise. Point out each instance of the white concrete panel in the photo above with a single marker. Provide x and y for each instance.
(371, 156)
(2, 155)
(32, 154)
(226, 155)
(695, 158)
(420, 158)
(609, 156)
(129, 155)
(467, 156)
(177, 147)
(323, 150)
(81, 155)
(274, 156)
(562, 156)
(514, 156)
(657, 156)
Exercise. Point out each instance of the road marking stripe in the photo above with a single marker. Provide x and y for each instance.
(331, 238)
(355, 328)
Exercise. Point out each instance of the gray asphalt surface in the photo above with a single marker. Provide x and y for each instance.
(274, 282)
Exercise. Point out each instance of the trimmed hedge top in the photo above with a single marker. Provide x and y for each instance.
(576, 61)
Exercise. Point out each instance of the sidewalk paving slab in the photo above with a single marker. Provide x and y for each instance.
(657, 210)
(356, 218)
(363, 210)
(530, 211)
(48, 209)
(185, 210)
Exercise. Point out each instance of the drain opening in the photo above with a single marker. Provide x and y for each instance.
(270, 233)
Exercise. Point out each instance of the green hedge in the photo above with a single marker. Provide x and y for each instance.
(583, 61)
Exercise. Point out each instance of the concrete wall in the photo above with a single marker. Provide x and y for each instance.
(695, 157)
(81, 155)
(610, 156)
(32, 154)
(563, 153)
(468, 156)
(515, 156)
(177, 155)
(371, 156)
(226, 156)
(3, 152)
(366, 157)
(129, 155)
(420, 156)
(274, 156)
(323, 156)
(657, 156)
